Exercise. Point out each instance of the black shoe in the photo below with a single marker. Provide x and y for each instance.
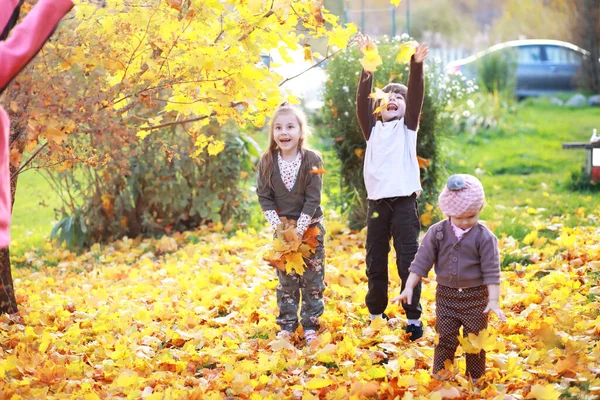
(385, 317)
(415, 331)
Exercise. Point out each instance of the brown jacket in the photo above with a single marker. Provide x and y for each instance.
(474, 260)
(290, 204)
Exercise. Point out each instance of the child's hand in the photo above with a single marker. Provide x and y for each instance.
(362, 42)
(405, 297)
(494, 307)
(421, 52)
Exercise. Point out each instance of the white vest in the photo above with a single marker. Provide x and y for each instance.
(391, 167)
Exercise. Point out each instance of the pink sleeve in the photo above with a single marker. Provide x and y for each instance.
(28, 37)
(23, 43)
(8, 13)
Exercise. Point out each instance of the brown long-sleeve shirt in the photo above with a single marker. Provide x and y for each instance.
(414, 99)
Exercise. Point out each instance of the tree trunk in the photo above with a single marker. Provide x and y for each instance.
(8, 302)
(592, 30)
(586, 27)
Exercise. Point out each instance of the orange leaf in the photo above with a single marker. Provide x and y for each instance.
(15, 157)
(423, 162)
(317, 171)
(176, 4)
(310, 237)
(316, 12)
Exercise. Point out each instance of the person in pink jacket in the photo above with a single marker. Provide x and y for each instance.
(17, 47)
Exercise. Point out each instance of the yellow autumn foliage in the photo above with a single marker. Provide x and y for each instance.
(193, 316)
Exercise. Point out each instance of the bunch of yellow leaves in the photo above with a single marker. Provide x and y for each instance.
(287, 252)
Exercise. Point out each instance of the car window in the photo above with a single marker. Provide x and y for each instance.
(562, 55)
(529, 55)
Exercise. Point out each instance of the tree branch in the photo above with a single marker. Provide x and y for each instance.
(309, 68)
(185, 121)
(34, 155)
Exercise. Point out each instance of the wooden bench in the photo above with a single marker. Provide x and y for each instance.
(592, 157)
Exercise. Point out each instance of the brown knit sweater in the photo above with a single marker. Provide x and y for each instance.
(299, 200)
(473, 260)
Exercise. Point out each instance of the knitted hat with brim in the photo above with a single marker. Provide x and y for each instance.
(462, 196)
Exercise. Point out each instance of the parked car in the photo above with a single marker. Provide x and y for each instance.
(542, 66)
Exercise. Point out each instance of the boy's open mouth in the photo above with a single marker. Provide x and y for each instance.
(392, 107)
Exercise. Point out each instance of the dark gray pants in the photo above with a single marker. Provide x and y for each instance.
(396, 218)
(310, 286)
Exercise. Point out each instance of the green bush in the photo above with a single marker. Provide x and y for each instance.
(339, 117)
(582, 182)
(497, 71)
(154, 186)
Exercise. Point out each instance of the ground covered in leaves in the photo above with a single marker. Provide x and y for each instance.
(193, 316)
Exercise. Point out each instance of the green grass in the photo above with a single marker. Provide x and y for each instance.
(524, 169)
(33, 212)
(521, 163)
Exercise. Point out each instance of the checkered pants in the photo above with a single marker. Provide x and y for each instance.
(455, 308)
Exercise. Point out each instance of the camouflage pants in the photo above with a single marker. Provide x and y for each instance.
(310, 286)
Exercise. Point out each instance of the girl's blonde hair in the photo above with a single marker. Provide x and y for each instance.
(267, 160)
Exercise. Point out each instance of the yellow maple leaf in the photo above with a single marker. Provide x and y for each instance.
(395, 3)
(308, 54)
(371, 59)
(294, 262)
(280, 245)
(546, 392)
(319, 383)
(55, 133)
(475, 343)
(379, 94)
(306, 250)
(407, 50)
(376, 372)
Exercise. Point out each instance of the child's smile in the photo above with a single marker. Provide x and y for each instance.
(287, 133)
(394, 109)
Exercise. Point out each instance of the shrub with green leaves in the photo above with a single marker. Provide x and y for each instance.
(339, 115)
(497, 71)
(154, 186)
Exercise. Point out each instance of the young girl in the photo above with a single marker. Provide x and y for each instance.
(15, 52)
(467, 269)
(392, 180)
(288, 188)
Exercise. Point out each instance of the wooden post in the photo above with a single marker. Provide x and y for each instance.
(593, 171)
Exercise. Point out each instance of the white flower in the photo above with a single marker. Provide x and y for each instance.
(346, 113)
(470, 103)
(345, 89)
(466, 114)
